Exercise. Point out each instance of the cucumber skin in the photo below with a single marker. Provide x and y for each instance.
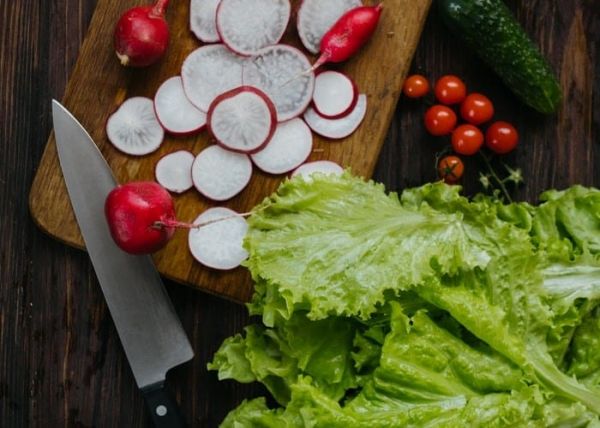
(491, 30)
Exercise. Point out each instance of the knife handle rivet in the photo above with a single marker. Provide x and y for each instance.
(161, 410)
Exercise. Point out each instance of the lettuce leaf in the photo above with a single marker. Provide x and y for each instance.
(420, 309)
(427, 377)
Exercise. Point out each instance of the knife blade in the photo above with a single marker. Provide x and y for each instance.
(148, 326)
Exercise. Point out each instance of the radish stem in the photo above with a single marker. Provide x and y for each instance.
(160, 7)
(183, 225)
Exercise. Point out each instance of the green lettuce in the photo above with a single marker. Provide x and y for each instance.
(419, 309)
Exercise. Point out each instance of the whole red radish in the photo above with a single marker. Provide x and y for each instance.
(141, 217)
(349, 34)
(142, 35)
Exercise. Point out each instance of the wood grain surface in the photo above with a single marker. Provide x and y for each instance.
(61, 364)
(99, 84)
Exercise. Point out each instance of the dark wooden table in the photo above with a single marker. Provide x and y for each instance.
(61, 363)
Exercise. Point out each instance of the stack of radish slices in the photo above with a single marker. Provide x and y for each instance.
(259, 101)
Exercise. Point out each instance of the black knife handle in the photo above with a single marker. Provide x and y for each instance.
(163, 408)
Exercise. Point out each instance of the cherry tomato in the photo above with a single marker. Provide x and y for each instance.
(477, 109)
(450, 90)
(467, 139)
(501, 137)
(440, 120)
(451, 169)
(415, 86)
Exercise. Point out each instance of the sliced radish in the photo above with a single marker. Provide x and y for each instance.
(337, 128)
(220, 174)
(279, 71)
(208, 72)
(242, 120)
(203, 14)
(219, 245)
(247, 26)
(134, 128)
(174, 171)
(174, 111)
(335, 94)
(290, 146)
(323, 167)
(316, 17)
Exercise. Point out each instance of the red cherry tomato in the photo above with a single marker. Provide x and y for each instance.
(440, 120)
(450, 90)
(415, 86)
(501, 137)
(451, 169)
(467, 139)
(477, 109)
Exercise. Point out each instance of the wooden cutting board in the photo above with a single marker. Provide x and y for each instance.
(99, 84)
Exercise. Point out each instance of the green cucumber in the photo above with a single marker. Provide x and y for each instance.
(490, 29)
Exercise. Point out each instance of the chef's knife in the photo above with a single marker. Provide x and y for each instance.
(149, 329)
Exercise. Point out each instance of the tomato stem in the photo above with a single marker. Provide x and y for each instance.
(495, 177)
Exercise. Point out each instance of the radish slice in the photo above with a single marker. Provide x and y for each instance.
(134, 128)
(335, 94)
(174, 111)
(174, 171)
(242, 120)
(208, 72)
(337, 128)
(203, 14)
(316, 17)
(247, 26)
(278, 71)
(219, 245)
(220, 174)
(289, 147)
(323, 167)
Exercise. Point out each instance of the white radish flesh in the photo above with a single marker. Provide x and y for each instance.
(134, 128)
(337, 128)
(322, 167)
(290, 146)
(316, 17)
(203, 15)
(208, 72)
(247, 26)
(174, 171)
(335, 94)
(279, 71)
(242, 120)
(219, 245)
(220, 174)
(174, 111)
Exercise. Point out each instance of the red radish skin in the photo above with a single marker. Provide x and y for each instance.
(203, 14)
(349, 34)
(238, 139)
(134, 128)
(280, 71)
(142, 35)
(174, 171)
(177, 115)
(335, 94)
(220, 174)
(247, 26)
(322, 167)
(337, 128)
(137, 214)
(290, 146)
(209, 71)
(219, 244)
(316, 17)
